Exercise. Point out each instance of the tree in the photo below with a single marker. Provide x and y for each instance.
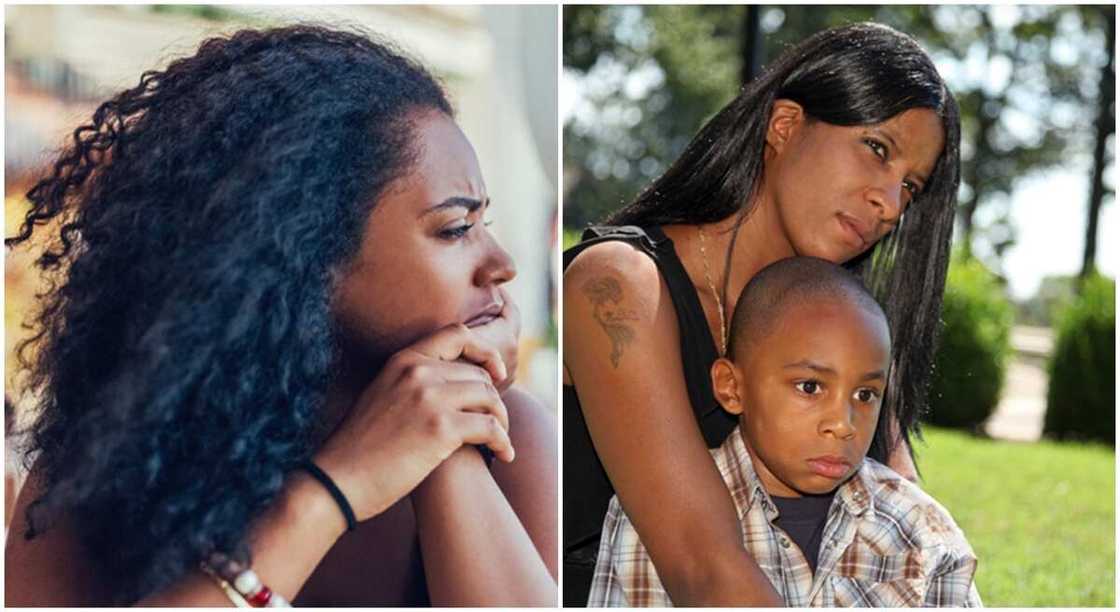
(1105, 127)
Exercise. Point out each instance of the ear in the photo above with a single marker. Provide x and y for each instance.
(726, 385)
(785, 117)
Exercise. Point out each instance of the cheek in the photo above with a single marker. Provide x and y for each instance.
(398, 300)
(782, 425)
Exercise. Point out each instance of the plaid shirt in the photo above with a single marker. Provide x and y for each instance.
(886, 543)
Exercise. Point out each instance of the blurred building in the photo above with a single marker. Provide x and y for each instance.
(499, 64)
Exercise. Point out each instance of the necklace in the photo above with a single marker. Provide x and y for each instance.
(715, 294)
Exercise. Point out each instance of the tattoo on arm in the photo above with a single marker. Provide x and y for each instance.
(605, 294)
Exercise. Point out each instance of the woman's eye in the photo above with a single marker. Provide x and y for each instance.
(867, 396)
(457, 232)
(878, 148)
(808, 387)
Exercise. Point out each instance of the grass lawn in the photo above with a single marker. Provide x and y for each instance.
(1041, 517)
(571, 237)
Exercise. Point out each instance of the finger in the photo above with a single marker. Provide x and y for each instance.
(456, 341)
(477, 397)
(485, 429)
(458, 371)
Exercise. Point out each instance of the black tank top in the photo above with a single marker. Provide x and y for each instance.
(587, 490)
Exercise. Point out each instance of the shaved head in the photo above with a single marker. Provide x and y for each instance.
(787, 282)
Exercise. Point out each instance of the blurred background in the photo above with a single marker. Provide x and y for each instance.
(1020, 441)
(498, 63)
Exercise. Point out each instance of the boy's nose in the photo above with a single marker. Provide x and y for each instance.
(838, 421)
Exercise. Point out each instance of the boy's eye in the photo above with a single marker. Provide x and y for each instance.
(808, 387)
(866, 395)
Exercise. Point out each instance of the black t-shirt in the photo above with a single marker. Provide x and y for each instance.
(803, 519)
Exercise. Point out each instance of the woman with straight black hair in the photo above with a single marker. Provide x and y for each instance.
(846, 148)
(276, 333)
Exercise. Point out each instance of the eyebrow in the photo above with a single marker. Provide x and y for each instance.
(811, 365)
(894, 143)
(471, 204)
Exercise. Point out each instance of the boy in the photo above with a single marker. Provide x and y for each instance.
(806, 372)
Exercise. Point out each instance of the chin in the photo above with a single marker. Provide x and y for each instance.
(836, 254)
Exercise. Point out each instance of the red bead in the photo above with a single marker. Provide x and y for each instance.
(260, 599)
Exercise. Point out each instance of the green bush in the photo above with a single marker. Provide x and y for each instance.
(974, 347)
(1080, 402)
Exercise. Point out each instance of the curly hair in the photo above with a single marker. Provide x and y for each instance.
(185, 342)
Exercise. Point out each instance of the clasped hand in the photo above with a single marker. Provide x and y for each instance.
(430, 399)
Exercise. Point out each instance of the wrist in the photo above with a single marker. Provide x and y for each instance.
(306, 500)
(464, 461)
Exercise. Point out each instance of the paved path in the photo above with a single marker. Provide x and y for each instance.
(1022, 404)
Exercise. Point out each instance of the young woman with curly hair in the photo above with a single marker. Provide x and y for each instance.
(847, 149)
(273, 253)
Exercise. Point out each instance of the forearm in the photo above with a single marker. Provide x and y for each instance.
(475, 550)
(730, 579)
(287, 542)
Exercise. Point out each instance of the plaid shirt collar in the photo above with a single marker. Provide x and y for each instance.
(733, 456)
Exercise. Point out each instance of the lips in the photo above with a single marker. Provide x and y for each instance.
(492, 311)
(859, 233)
(829, 466)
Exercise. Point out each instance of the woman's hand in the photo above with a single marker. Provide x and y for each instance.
(428, 400)
(502, 333)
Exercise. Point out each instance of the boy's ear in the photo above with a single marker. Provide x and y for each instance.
(725, 384)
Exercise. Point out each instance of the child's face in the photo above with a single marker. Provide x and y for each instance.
(808, 393)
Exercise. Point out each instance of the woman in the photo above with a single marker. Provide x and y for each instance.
(822, 155)
(274, 253)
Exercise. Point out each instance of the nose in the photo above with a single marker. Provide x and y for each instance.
(837, 420)
(888, 202)
(497, 266)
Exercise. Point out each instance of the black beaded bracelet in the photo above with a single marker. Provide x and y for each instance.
(336, 493)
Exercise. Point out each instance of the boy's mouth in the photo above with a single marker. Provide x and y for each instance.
(829, 466)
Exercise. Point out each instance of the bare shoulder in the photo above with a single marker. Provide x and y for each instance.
(52, 568)
(618, 261)
(614, 302)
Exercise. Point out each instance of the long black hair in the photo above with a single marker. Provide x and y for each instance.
(185, 342)
(858, 74)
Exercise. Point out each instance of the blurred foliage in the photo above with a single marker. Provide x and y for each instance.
(974, 347)
(1081, 399)
(208, 12)
(1041, 309)
(1026, 78)
(571, 238)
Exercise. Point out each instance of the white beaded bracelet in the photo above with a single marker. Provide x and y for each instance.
(242, 582)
